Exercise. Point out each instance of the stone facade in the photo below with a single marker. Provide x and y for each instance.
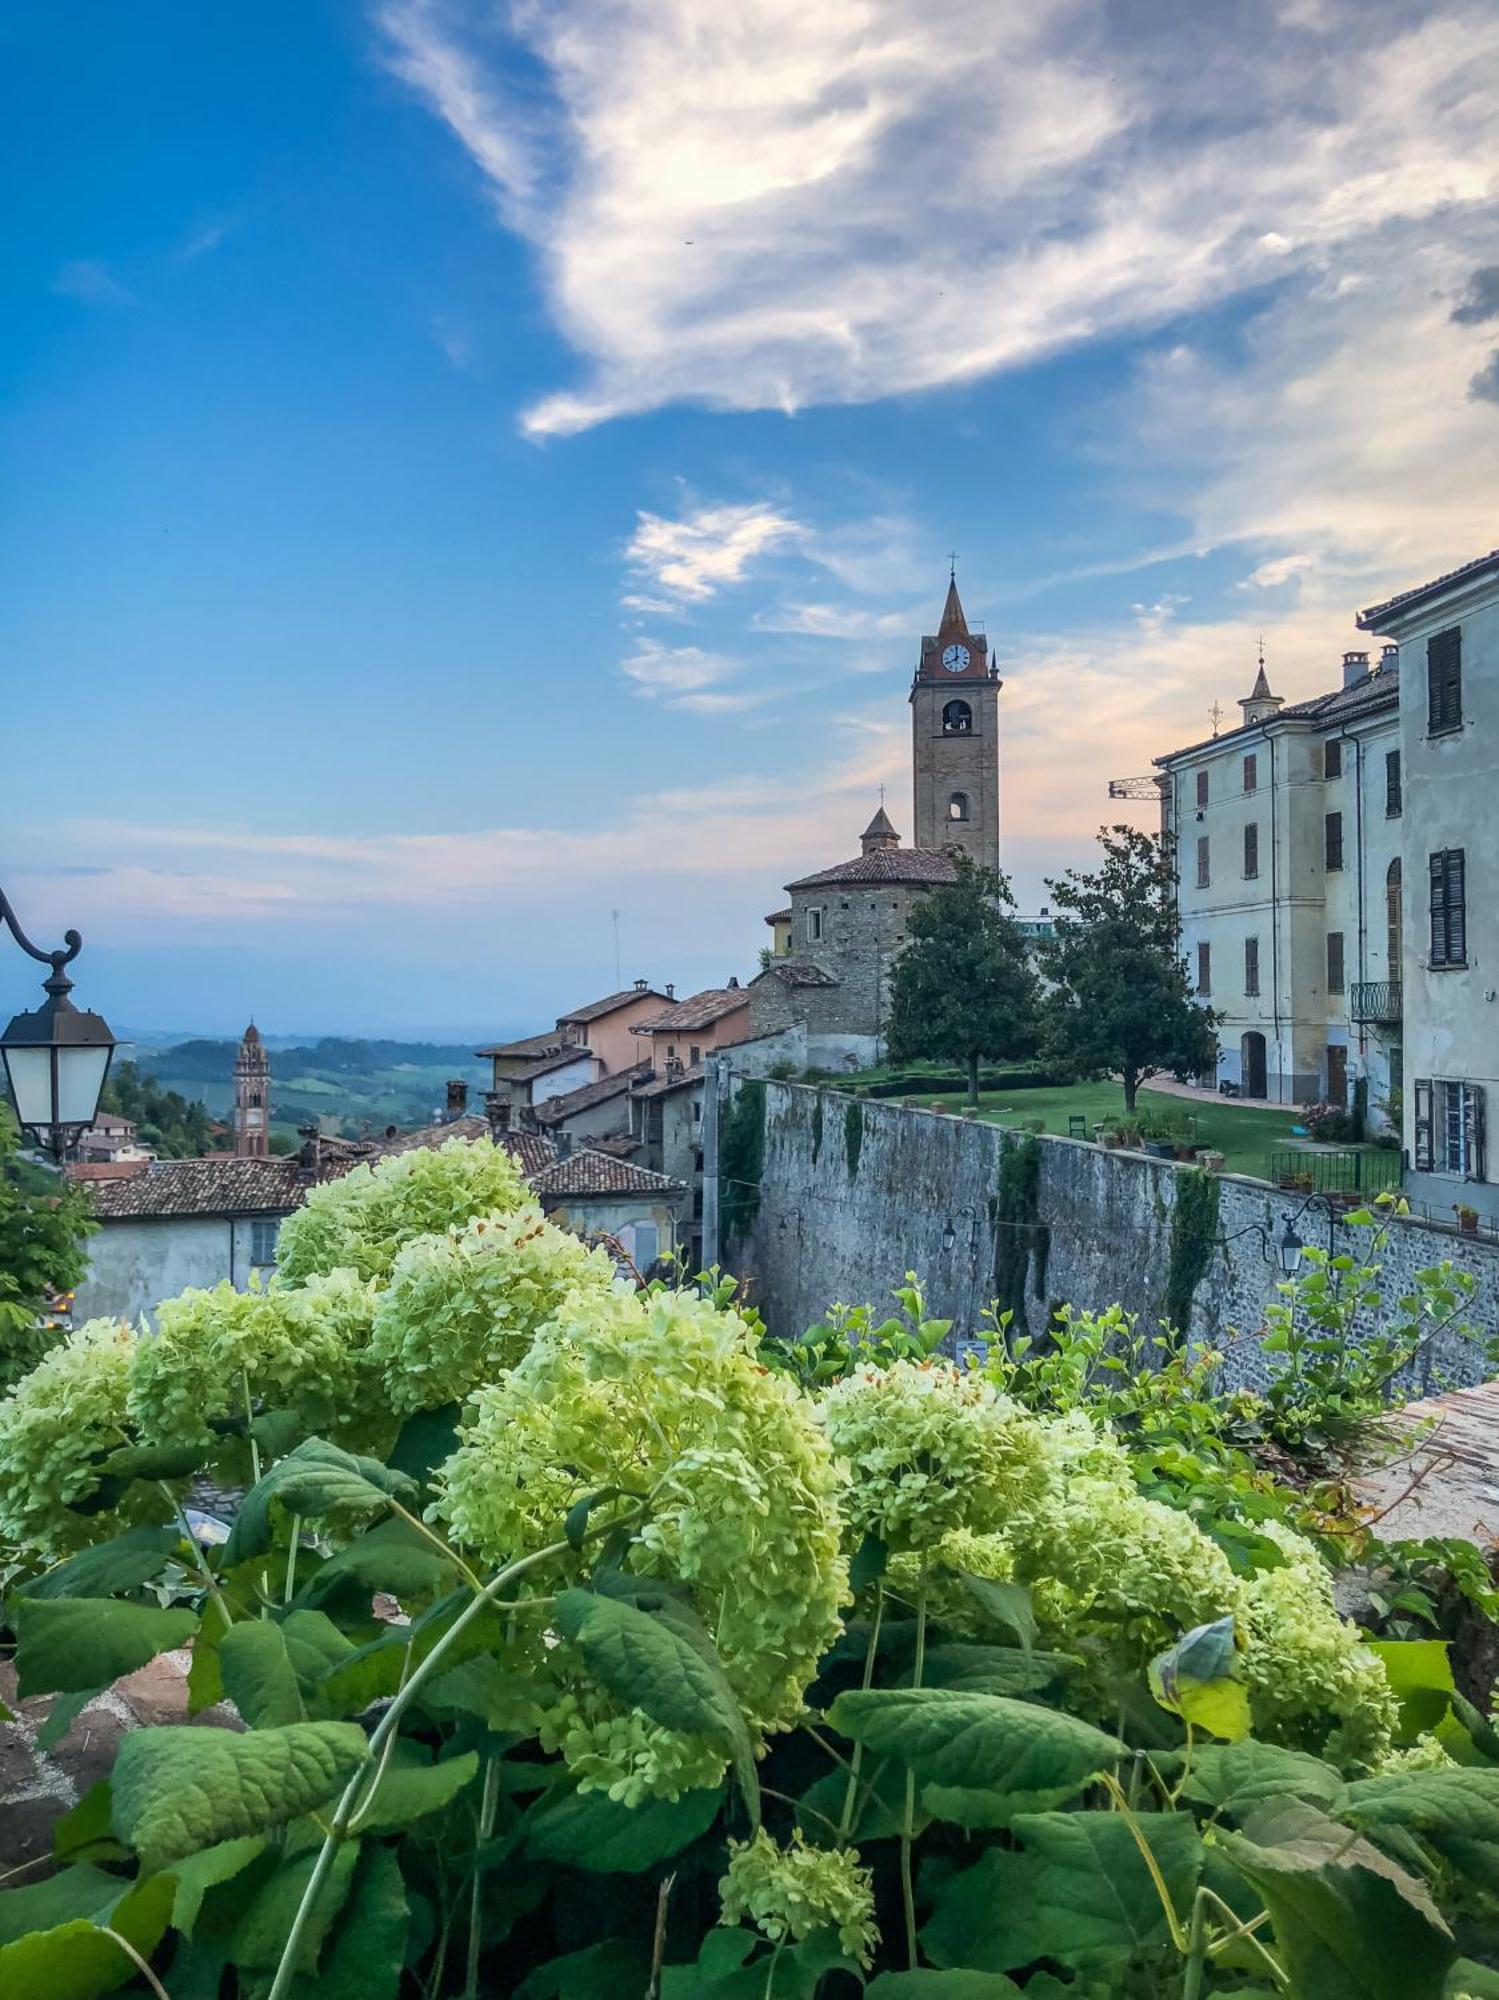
(916, 1192)
(955, 740)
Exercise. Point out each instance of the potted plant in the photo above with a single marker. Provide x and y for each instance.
(1213, 1162)
(1467, 1218)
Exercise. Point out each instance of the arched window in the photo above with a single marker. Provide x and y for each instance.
(957, 719)
(1392, 910)
(957, 806)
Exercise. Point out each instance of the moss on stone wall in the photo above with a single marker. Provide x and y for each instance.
(853, 1135)
(1194, 1231)
(741, 1162)
(1021, 1238)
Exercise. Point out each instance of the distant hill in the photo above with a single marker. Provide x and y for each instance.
(359, 1085)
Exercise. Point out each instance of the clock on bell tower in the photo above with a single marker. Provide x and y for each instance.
(955, 739)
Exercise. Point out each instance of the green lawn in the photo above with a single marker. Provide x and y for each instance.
(1244, 1135)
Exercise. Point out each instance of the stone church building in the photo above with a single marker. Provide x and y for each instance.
(829, 967)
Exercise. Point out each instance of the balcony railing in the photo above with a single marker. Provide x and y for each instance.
(1375, 1000)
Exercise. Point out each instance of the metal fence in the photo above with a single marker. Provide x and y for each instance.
(1352, 1171)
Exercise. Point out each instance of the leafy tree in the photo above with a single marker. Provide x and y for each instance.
(964, 988)
(176, 1127)
(43, 1223)
(1120, 1003)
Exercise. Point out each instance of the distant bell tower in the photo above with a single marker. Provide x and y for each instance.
(252, 1097)
(955, 739)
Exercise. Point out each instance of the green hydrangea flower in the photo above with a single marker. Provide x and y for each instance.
(364, 1221)
(53, 1427)
(660, 1394)
(790, 1892)
(462, 1307)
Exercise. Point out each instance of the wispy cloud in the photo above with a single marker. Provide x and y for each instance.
(205, 237)
(917, 192)
(90, 282)
(694, 555)
(686, 677)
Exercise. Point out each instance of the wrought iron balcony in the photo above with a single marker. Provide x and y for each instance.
(1376, 1000)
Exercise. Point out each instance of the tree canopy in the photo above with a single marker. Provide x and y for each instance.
(1119, 1001)
(964, 988)
(176, 1127)
(43, 1223)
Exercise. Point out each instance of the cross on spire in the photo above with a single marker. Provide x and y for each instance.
(1216, 712)
(952, 565)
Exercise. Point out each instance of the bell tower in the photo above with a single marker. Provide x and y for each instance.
(955, 738)
(252, 1097)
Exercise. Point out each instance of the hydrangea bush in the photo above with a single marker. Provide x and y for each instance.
(909, 1668)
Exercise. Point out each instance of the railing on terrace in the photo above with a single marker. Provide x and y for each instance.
(1355, 1172)
(1377, 1000)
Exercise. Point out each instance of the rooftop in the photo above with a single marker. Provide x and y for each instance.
(1373, 620)
(698, 1010)
(663, 1086)
(922, 865)
(554, 1110)
(215, 1185)
(611, 1004)
(1376, 690)
(798, 972)
(780, 916)
(586, 1174)
(528, 1045)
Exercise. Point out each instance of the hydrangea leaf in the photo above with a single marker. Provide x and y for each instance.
(178, 1789)
(1420, 1673)
(259, 1937)
(196, 1874)
(77, 1959)
(67, 1644)
(1240, 1776)
(592, 1831)
(1456, 1811)
(85, 1831)
(927, 1983)
(258, 1675)
(176, 1460)
(123, 1563)
(980, 1742)
(1197, 1679)
(1007, 1605)
(972, 1669)
(409, 1789)
(1350, 1924)
(364, 1958)
(391, 1557)
(316, 1479)
(598, 1972)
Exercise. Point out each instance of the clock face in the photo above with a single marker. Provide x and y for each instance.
(955, 659)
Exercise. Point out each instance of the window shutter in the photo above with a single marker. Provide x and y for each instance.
(1473, 1130)
(1444, 680)
(1457, 907)
(1438, 876)
(1392, 784)
(1423, 1125)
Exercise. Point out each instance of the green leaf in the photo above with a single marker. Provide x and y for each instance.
(258, 1676)
(592, 1831)
(601, 1971)
(65, 1645)
(315, 1479)
(61, 1716)
(1013, 1670)
(205, 1684)
(1079, 1893)
(196, 1874)
(1350, 1924)
(1007, 1605)
(76, 1960)
(1420, 1673)
(1455, 1811)
(426, 1439)
(500, 1698)
(575, 1521)
(180, 1789)
(158, 1461)
(1240, 1776)
(259, 1937)
(391, 1557)
(41, 1906)
(1475, 1982)
(978, 1742)
(869, 1564)
(663, 1663)
(927, 1984)
(124, 1563)
(410, 1788)
(85, 1831)
(364, 1958)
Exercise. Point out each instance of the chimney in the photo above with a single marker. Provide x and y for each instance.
(733, 986)
(673, 1065)
(1355, 667)
(457, 1097)
(671, 991)
(564, 1144)
(1389, 659)
(640, 986)
(497, 1109)
(528, 1118)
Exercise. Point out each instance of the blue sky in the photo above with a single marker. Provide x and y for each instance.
(468, 470)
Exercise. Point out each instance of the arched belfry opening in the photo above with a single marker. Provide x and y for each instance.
(957, 807)
(957, 719)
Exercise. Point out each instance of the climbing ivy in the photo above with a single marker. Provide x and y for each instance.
(816, 1127)
(1194, 1230)
(1019, 1233)
(853, 1135)
(741, 1160)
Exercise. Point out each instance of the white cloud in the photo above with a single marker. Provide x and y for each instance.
(91, 282)
(776, 204)
(687, 677)
(1276, 571)
(694, 556)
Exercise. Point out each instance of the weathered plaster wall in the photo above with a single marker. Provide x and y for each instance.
(133, 1266)
(828, 1229)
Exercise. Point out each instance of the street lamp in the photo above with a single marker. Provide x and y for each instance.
(56, 1058)
(1289, 1250)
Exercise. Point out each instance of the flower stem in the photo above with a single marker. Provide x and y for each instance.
(908, 1815)
(291, 1559)
(846, 1821)
(487, 1809)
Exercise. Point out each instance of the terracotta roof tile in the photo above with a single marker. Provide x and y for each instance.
(216, 1185)
(662, 1086)
(586, 1174)
(699, 1010)
(925, 866)
(528, 1045)
(555, 1109)
(798, 972)
(597, 1009)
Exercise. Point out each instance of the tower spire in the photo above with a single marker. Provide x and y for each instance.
(252, 1097)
